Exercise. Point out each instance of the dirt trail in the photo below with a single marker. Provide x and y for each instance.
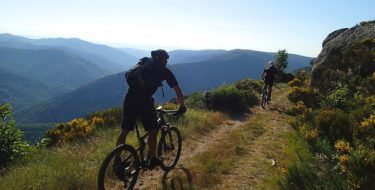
(152, 179)
(262, 157)
(264, 152)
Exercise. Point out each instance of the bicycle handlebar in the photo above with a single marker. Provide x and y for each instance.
(168, 112)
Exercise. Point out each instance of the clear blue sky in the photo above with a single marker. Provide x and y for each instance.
(299, 26)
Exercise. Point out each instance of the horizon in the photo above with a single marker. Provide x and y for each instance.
(174, 25)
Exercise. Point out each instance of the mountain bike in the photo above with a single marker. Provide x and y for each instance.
(131, 160)
(265, 97)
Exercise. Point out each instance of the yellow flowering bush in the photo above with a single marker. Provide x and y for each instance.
(295, 82)
(342, 147)
(74, 129)
(97, 122)
(307, 95)
(300, 107)
(369, 122)
(78, 128)
(311, 134)
(343, 163)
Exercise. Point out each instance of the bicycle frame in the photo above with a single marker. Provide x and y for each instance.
(142, 139)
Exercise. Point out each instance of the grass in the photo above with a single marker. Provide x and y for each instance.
(72, 166)
(200, 122)
(75, 165)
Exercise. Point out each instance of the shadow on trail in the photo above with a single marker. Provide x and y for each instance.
(177, 179)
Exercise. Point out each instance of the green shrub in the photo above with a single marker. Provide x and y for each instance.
(285, 77)
(196, 100)
(339, 98)
(361, 107)
(11, 139)
(360, 167)
(308, 173)
(249, 85)
(230, 99)
(335, 124)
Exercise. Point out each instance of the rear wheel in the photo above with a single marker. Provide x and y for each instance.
(264, 97)
(119, 169)
(169, 148)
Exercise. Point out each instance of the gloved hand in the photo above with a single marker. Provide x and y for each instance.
(181, 109)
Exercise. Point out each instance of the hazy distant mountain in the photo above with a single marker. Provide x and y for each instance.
(109, 91)
(138, 53)
(54, 67)
(108, 58)
(191, 56)
(21, 91)
(103, 93)
(178, 56)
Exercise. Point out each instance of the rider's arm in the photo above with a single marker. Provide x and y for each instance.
(179, 95)
(263, 74)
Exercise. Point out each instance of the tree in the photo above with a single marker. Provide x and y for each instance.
(11, 144)
(281, 60)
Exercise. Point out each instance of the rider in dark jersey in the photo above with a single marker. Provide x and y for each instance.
(140, 103)
(268, 76)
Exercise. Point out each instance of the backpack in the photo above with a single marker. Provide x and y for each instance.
(143, 75)
(270, 72)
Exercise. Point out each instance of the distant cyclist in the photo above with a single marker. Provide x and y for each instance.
(268, 76)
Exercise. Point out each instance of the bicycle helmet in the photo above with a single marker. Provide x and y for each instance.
(159, 54)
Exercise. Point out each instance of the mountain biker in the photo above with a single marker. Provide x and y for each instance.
(268, 76)
(140, 103)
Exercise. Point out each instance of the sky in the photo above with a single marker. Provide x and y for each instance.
(299, 26)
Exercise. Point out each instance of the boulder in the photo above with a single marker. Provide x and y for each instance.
(347, 51)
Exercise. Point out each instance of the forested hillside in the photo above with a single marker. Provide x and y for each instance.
(192, 77)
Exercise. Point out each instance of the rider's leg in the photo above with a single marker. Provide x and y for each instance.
(152, 141)
(121, 139)
(264, 87)
(269, 91)
(149, 121)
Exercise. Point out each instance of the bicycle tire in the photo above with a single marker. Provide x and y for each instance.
(113, 182)
(264, 98)
(166, 145)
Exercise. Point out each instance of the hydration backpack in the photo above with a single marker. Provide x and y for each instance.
(143, 75)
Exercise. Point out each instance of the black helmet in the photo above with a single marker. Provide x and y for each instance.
(159, 54)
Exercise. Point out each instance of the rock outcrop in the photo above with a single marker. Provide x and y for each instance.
(348, 51)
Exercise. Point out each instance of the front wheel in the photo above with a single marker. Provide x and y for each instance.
(119, 169)
(169, 148)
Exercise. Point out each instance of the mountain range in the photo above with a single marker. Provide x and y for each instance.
(74, 77)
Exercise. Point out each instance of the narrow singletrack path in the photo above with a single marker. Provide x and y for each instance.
(263, 152)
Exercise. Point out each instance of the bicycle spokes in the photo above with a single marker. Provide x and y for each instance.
(170, 148)
(119, 170)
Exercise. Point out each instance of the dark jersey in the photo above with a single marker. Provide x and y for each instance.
(269, 73)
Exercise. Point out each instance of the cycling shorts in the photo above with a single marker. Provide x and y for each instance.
(139, 107)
